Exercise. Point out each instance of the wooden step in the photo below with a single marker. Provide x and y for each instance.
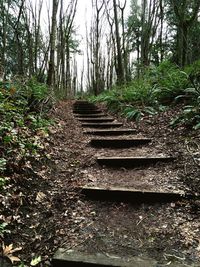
(118, 143)
(106, 132)
(131, 162)
(84, 106)
(71, 258)
(96, 120)
(81, 102)
(87, 111)
(131, 195)
(102, 125)
(99, 115)
(92, 107)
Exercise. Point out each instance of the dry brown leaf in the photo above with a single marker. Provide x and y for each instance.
(13, 258)
(8, 252)
(40, 196)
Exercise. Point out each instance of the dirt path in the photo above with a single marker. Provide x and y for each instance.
(165, 232)
(55, 214)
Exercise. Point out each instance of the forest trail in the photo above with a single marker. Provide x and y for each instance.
(54, 204)
(139, 209)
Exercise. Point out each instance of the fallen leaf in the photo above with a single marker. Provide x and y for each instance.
(36, 260)
(14, 259)
(40, 196)
(8, 252)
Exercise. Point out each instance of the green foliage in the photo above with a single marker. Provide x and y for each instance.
(2, 183)
(139, 92)
(166, 84)
(22, 130)
(37, 90)
(169, 81)
(38, 122)
(2, 164)
(35, 261)
(132, 113)
(3, 229)
(112, 99)
(190, 117)
(19, 122)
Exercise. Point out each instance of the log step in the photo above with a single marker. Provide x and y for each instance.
(99, 115)
(83, 105)
(131, 195)
(81, 102)
(118, 143)
(72, 258)
(85, 108)
(96, 120)
(102, 125)
(131, 162)
(87, 111)
(112, 132)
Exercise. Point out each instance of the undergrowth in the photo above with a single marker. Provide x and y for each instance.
(23, 125)
(159, 88)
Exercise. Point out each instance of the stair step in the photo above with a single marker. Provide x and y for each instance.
(86, 115)
(72, 258)
(118, 143)
(96, 120)
(131, 162)
(84, 105)
(131, 195)
(85, 108)
(89, 105)
(81, 102)
(87, 111)
(102, 125)
(110, 132)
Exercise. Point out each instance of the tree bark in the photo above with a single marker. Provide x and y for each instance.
(51, 71)
(184, 23)
(120, 70)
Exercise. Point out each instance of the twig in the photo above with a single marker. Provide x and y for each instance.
(191, 154)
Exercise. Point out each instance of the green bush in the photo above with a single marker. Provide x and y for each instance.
(38, 90)
(159, 87)
(193, 72)
(169, 81)
(19, 122)
(190, 117)
(132, 113)
(111, 98)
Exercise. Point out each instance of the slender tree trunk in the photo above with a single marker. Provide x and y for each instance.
(51, 70)
(161, 30)
(120, 70)
(184, 24)
(62, 48)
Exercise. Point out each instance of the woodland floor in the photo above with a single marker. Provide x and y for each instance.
(50, 212)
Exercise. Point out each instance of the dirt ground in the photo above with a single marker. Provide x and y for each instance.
(50, 212)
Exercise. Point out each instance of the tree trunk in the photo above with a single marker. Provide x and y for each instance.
(184, 24)
(120, 70)
(51, 71)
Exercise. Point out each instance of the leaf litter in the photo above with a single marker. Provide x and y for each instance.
(44, 208)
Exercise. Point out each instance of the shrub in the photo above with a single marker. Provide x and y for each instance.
(158, 88)
(169, 81)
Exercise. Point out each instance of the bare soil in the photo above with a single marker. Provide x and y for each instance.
(159, 179)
